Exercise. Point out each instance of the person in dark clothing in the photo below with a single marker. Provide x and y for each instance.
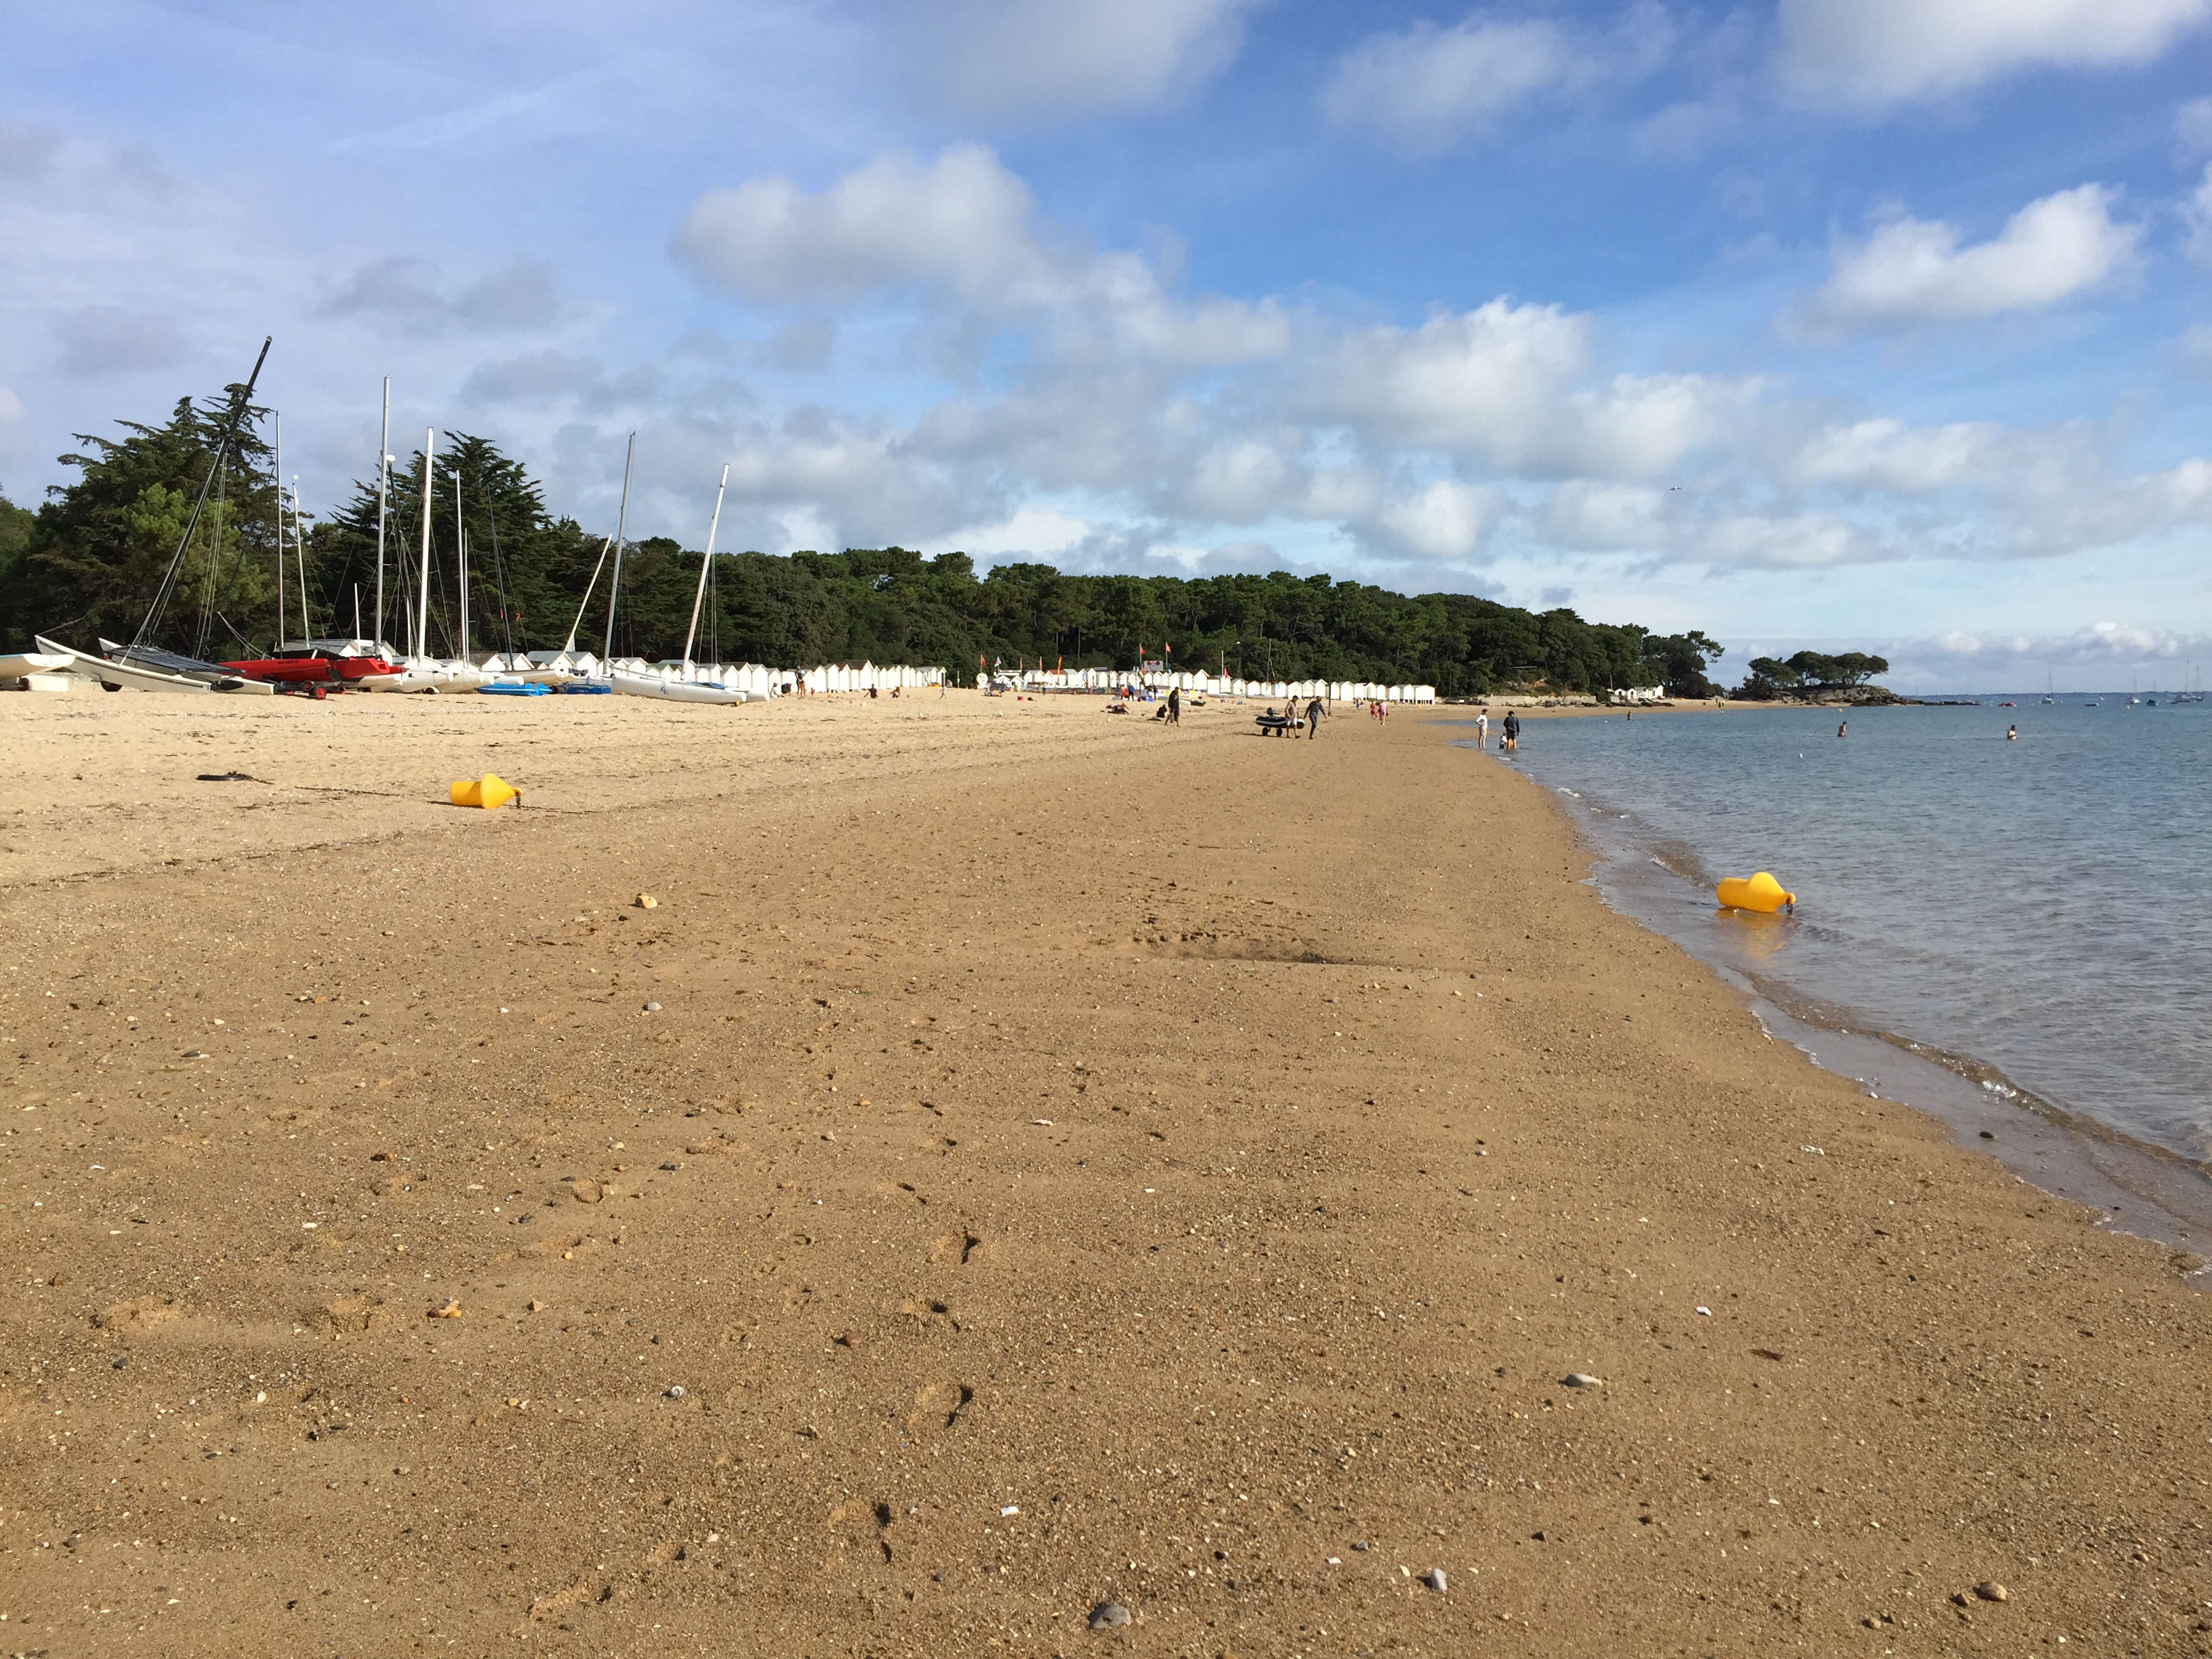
(1314, 712)
(1175, 706)
(1512, 730)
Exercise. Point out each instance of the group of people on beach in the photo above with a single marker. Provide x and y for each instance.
(1509, 732)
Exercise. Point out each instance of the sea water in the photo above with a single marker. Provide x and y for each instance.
(2036, 906)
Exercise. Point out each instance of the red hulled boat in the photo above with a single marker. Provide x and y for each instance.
(318, 662)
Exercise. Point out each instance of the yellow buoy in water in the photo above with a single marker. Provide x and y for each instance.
(1761, 893)
(491, 790)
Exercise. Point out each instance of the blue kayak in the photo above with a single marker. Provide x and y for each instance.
(513, 688)
(587, 689)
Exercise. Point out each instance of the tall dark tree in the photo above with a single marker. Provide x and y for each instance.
(95, 554)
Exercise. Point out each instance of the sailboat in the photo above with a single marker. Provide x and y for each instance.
(141, 666)
(675, 685)
(579, 672)
(421, 672)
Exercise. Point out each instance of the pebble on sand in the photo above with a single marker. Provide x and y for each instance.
(1989, 1590)
(652, 1007)
(1109, 1615)
(1434, 1578)
(449, 1308)
(646, 902)
(676, 1391)
(1582, 1380)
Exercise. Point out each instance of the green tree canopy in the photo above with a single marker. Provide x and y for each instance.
(93, 557)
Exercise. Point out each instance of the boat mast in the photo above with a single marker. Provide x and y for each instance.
(585, 602)
(278, 423)
(383, 500)
(177, 560)
(614, 582)
(699, 598)
(461, 552)
(300, 560)
(423, 604)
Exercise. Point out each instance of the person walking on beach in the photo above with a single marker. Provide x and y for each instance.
(1314, 712)
(1175, 706)
(1511, 739)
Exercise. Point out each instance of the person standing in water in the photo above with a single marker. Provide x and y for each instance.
(1842, 726)
(1510, 739)
(2011, 734)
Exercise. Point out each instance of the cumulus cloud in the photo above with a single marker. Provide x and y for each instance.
(961, 222)
(1423, 89)
(1505, 384)
(1873, 53)
(1045, 61)
(1443, 520)
(1910, 271)
(963, 227)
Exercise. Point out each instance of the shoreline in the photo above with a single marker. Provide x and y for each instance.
(2151, 1191)
(1057, 1160)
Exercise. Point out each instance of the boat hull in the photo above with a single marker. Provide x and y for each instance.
(122, 677)
(636, 685)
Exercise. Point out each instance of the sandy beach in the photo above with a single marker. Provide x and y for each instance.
(1024, 1159)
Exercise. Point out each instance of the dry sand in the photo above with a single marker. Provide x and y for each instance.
(1071, 1160)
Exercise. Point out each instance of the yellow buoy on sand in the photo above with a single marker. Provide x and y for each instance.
(490, 790)
(1761, 893)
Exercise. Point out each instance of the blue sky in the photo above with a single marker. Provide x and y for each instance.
(1877, 323)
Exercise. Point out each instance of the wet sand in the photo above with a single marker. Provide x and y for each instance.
(1071, 1161)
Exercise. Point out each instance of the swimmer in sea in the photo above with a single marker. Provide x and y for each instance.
(1842, 726)
(2011, 734)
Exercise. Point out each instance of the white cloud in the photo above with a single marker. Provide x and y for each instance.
(1871, 52)
(2192, 127)
(2196, 214)
(1444, 521)
(1033, 532)
(1045, 61)
(1504, 384)
(1585, 513)
(1475, 382)
(961, 221)
(1423, 89)
(1913, 270)
(963, 226)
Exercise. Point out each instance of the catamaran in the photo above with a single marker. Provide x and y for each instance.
(141, 666)
(675, 683)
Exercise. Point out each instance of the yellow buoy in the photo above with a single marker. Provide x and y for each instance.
(491, 790)
(1761, 893)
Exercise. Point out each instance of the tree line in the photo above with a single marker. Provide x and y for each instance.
(1808, 673)
(85, 564)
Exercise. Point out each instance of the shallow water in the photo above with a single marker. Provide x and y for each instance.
(2036, 905)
